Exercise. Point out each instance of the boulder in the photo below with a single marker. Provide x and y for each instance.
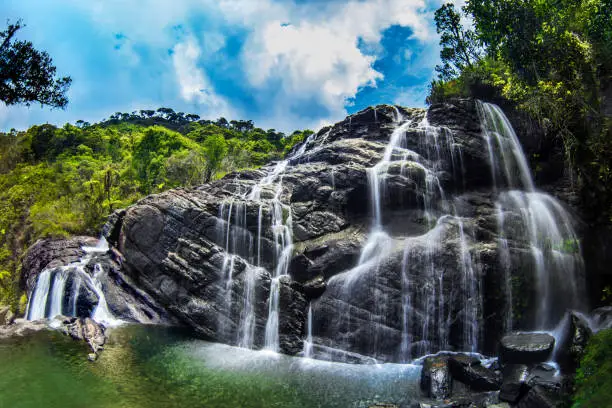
(6, 316)
(470, 371)
(21, 328)
(526, 348)
(574, 341)
(436, 380)
(514, 385)
(602, 317)
(540, 397)
(85, 329)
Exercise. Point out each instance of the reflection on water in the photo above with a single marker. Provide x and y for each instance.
(160, 367)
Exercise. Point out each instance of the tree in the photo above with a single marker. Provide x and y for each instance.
(215, 149)
(28, 75)
(460, 47)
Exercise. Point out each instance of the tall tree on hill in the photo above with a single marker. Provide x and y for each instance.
(460, 47)
(28, 75)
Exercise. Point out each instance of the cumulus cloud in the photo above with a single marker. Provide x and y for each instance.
(295, 64)
(193, 84)
(318, 55)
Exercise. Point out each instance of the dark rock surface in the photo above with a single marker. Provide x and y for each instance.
(574, 341)
(514, 385)
(470, 371)
(526, 348)
(540, 397)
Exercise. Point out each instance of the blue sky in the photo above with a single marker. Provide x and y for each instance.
(286, 64)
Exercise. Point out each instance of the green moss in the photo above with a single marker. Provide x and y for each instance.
(594, 377)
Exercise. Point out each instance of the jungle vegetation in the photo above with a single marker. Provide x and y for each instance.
(60, 181)
(551, 59)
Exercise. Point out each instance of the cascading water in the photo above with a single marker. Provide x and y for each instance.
(424, 312)
(533, 219)
(50, 295)
(239, 241)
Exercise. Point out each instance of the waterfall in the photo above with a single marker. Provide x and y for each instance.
(38, 301)
(52, 296)
(535, 219)
(238, 241)
(420, 154)
(308, 342)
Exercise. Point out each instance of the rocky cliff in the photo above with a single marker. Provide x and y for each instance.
(399, 227)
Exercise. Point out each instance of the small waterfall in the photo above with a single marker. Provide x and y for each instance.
(57, 292)
(48, 299)
(238, 241)
(37, 305)
(246, 334)
(308, 342)
(532, 219)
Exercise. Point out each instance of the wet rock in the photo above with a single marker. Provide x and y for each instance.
(314, 288)
(436, 380)
(6, 316)
(469, 371)
(514, 385)
(574, 342)
(545, 376)
(526, 348)
(86, 330)
(602, 317)
(298, 268)
(292, 318)
(21, 328)
(540, 397)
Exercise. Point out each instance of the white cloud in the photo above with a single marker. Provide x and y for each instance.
(315, 55)
(194, 86)
(320, 53)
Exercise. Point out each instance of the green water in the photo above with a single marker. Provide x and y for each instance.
(144, 367)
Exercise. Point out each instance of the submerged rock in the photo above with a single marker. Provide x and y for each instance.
(526, 348)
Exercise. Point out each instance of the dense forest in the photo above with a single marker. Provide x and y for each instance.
(65, 181)
(549, 59)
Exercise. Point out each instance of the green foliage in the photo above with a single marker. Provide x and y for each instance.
(215, 149)
(594, 377)
(56, 182)
(460, 47)
(28, 75)
(551, 59)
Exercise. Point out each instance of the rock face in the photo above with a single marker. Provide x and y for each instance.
(403, 229)
(574, 342)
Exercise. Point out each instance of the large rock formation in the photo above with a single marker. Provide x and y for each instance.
(439, 275)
